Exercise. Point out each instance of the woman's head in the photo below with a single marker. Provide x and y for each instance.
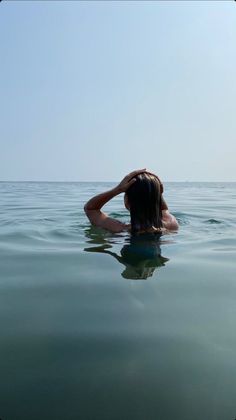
(143, 199)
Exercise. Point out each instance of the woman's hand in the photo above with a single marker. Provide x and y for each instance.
(97, 202)
(128, 180)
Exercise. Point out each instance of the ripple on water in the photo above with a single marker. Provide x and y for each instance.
(213, 221)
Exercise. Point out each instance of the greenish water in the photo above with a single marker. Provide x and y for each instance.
(95, 326)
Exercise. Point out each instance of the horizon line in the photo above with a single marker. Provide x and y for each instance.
(48, 181)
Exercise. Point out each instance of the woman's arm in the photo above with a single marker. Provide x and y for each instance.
(93, 207)
(93, 211)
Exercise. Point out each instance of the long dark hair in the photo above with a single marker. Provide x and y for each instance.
(144, 199)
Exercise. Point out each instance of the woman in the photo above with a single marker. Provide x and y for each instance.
(143, 198)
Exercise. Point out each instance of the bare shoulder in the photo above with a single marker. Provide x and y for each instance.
(169, 221)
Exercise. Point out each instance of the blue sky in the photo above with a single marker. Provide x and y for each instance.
(91, 90)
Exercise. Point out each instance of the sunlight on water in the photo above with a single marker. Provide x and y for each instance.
(102, 326)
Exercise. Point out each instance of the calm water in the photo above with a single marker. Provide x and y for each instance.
(97, 327)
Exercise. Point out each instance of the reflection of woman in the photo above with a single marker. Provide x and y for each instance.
(141, 255)
(143, 198)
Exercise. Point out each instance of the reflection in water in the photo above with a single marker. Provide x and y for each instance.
(140, 255)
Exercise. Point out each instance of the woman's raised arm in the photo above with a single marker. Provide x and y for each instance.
(93, 207)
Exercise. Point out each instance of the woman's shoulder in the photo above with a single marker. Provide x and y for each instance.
(169, 221)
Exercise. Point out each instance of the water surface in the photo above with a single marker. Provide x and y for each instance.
(97, 327)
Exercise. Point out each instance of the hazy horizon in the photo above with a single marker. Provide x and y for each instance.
(112, 182)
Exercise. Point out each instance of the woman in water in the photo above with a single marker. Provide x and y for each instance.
(143, 198)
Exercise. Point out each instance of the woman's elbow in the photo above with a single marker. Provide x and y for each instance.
(87, 211)
(88, 208)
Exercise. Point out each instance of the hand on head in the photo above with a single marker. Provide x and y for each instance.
(129, 179)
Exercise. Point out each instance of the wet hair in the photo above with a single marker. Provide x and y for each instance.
(144, 197)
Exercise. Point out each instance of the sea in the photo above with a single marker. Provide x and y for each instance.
(102, 326)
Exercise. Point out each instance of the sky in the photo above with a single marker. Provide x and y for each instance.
(92, 90)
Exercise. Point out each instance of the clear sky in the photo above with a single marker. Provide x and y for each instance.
(91, 90)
